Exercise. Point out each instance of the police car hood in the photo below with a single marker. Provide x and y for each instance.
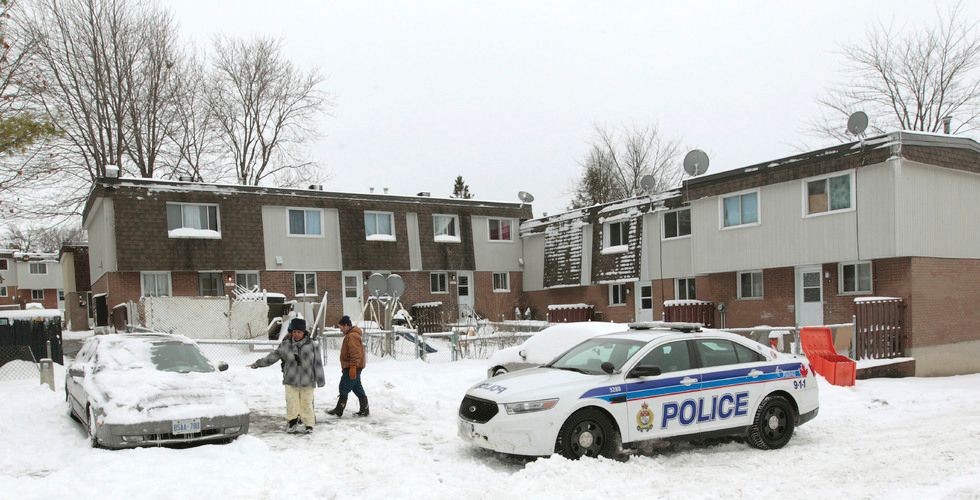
(532, 384)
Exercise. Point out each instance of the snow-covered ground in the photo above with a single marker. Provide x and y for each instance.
(885, 438)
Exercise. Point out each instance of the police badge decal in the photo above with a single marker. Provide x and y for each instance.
(644, 419)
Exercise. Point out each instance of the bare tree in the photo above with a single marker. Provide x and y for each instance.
(616, 162)
(20, 125)
(40, 238)
(264, 107)
(196, 139)
(909, 79)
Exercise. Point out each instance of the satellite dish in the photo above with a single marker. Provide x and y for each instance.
(696, 162)
(857, 122)
(525, 196)
(646, 182)
(377, 284)
(396, 285)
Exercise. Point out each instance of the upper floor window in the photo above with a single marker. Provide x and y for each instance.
(677, 223)
(193, 220)
(855, 277)
(438, 282)
(500, 230)
(3, 264)
(828, 194)
(501, 282)
(685, 289)
(617, 294)
(305, 222)
(445, 228)
(155, 284)
(615, 236)
(750, 285)
(38, 268)
(379, 226)
(740, 209)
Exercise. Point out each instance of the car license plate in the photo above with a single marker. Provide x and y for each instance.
(465, 429)
(188, 426)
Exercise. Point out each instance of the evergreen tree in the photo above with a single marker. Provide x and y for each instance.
(461, 189)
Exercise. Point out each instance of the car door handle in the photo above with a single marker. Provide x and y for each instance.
(755, 373)
(688, 381)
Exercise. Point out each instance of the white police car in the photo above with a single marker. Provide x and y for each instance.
(656, 381)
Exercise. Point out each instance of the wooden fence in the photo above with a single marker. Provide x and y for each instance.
(691, 312)
(879, 328)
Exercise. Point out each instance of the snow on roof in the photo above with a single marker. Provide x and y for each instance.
(874, 299)
(186, 232)
(31, 314)
(634, 203)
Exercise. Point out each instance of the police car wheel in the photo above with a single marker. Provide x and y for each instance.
(588, 433)
(773, 424)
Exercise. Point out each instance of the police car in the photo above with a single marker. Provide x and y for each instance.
(656, 381)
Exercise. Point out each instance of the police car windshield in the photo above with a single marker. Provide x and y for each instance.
(589, 356)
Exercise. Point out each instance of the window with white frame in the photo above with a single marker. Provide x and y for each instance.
(685, 289)
(445, 228)
(828, 194)
(155, 284)
(617, 294)
(646, 297)
(247, 279)
(3, 264)
(750, 285)
(500, 230)
(305, 284)
(740, 209)
(61, 295)
(305, 222)
(37, 294)
(193, 220)
(38, 268)
(615, 234)
(438, 282)
(379, 226)
(501, 282)
(3, 291)
(855, 277)
(677, 223)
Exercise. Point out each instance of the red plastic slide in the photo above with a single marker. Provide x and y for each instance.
(818, 345)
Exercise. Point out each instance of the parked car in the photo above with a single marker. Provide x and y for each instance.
(650, 383)
(546, 345)
(143, 389)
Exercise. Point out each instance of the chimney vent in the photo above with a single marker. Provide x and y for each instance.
(424, 194)
(947, 124)
(386, 190)
(371, 190)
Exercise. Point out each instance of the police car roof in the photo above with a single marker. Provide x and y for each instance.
(655, 330)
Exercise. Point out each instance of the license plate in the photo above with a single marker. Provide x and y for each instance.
(465, 429)
(188, 426)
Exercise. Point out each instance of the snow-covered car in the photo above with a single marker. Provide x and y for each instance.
(655, 381)
(544, 346)
(144, 389)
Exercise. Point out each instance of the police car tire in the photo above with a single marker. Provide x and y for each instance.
(765, 438)
(608, 434)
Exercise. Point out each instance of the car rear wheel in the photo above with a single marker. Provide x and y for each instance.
(92, 429)
(588, 433)
(773, 425)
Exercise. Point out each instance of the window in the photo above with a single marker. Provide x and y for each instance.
(3, 291)
(438, 282)
(38, 268)
(828, 194)
(350, 287)
(305, 284)
(247, 279)
(500, 229)
(37, 294)
(746, 355)
(672, 357)
(615, 234)
(305, 222)
(445, 228)
(501, 282)
(61, 295)
(750, 285)
(646, 297)
(716, 352)
(685, 289)
(3, 264)
(855, 278)
(617, 294)
(211, 284)
(740, 209)
(155, 284)
(379, 226)
(191, 220)
(677, 224)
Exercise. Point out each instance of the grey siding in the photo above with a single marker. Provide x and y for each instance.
(533, 262)
(937, 210)
(300, 253)
(414, 245)
(587, 234)
(101, 227)
(495, 255)
(52, 279)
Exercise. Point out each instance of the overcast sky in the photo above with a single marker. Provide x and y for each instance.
(506, 93)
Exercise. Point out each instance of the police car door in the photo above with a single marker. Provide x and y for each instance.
(662, 405)
(731, 383)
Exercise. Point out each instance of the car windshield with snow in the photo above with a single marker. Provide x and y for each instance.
(655, 381)
(151, 389)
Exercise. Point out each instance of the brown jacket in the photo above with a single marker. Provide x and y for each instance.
(352, 350)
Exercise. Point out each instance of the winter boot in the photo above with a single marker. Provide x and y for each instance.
(293, 426)
(363, 412)
(338, 410)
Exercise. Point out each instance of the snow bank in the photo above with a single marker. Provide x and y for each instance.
(186, 232)
(30, 314)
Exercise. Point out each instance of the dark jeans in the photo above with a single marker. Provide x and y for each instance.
(348, 384)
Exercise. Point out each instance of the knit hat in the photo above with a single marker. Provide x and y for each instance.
(344, 321)
(297, 324)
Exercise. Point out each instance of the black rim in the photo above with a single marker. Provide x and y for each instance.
(598, 439)
(774, 415)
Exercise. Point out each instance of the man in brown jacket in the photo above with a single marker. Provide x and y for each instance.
(352, 361)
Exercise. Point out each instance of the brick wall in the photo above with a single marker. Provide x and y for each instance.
(596, 295)
(11, 297)
(24, 296)
(944, 297)
(493, 305)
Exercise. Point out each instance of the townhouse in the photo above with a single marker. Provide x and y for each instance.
(27, 277)
(788, 242)
(150, 237)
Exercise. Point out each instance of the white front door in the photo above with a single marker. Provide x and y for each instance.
(464, 291)
(644, 301)
(809, 296)
(353, 295)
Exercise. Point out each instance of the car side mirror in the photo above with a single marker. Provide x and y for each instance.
(608, 367)
(523, 354)
(645, 371)
(222, 366)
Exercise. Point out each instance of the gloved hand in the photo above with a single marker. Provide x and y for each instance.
(252, 366)
(353, 372)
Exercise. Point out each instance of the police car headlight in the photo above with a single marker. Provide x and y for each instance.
(530, 406)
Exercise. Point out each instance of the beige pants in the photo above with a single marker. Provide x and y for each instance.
(299, 403)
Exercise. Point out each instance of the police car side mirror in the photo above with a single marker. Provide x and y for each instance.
(645, 371)
(608, 367)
